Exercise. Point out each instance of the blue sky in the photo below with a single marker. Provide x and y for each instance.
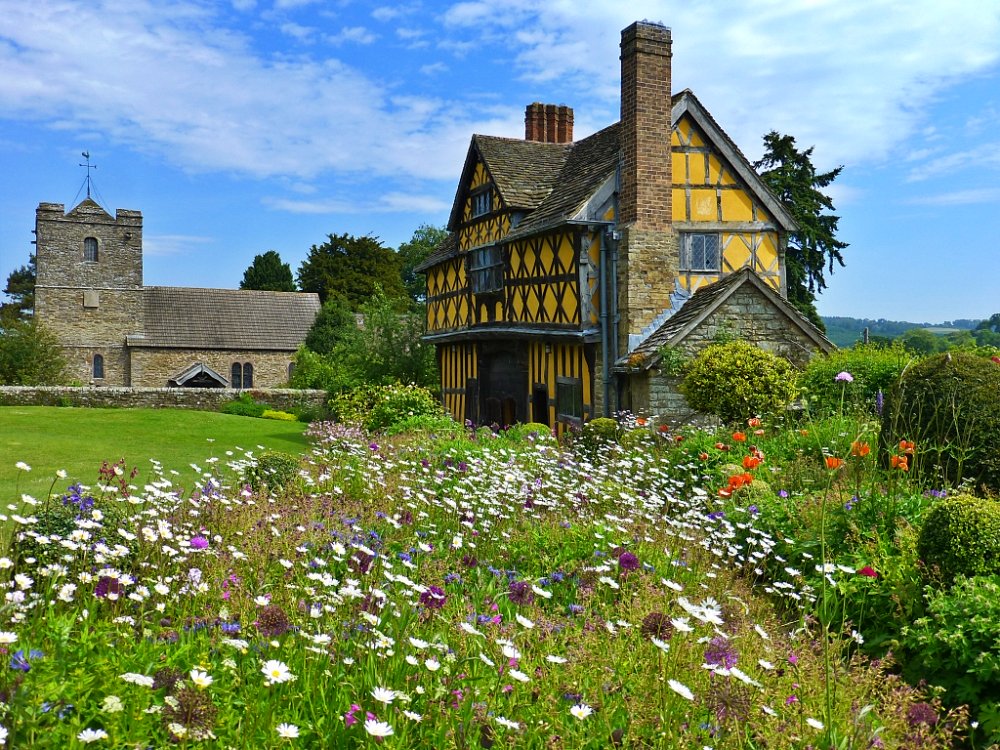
(239, 126)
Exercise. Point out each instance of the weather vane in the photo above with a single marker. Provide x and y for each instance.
(89, 166)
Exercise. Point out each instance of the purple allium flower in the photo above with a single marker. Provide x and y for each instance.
(627, 562)
(107, 586)
(520, 592)
(433, 598)
(272, 621)
(844, 377)
(921, 713)
(879, 401)
(721, 653)
(199, 542)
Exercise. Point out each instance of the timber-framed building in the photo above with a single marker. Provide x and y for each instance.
(566, 261)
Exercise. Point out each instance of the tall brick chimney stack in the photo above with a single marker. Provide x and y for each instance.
(648, 250)
(548, 123)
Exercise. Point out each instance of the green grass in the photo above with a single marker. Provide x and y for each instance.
(79, 440)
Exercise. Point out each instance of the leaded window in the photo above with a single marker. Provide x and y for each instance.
(486, 269)
(700, 252)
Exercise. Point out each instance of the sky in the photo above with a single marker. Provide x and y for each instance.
(241, 126)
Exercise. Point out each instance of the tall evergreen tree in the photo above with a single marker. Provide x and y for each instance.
(351, 268)
(411, 254)
(268, 273)
(21, 291)
(814, 247)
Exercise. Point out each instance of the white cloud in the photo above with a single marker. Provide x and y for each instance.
(433, 68)
(355, 34)
(969, 197)
(162, 245)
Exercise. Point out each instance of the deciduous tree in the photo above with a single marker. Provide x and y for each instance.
(21, 291)
(268, 273)
(814, 247)
(30, 355)
(411, 254)
(351, 268)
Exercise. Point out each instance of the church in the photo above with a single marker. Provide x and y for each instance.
(117, 332)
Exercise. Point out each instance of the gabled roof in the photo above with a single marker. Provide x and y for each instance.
(707, 300)
(88, 207)
(186, 318)
(523, 172)
(198, 368)
(552, 182)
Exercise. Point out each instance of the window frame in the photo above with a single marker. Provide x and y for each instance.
(236, 376)
(97, 368)
(91, 250)
(688, 239)
(486, 269)
(248, 375)
(482, 202)
(569, 389)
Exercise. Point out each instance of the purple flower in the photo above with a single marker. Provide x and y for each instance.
(199, 542)
(721, 653)
(879, 401)
(628, 562)
(433, 598)
(21, 663)
(844, 377)
(520, 592)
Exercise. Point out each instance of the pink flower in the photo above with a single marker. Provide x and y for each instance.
(868, 572)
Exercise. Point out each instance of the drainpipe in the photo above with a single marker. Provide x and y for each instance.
(605, 348)
(613, 311)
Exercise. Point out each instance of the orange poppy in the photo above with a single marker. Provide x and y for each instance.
(640, 421)
(832, 462)
(860, 450)
(758, 432)
(753, 422)
(721, 446)
(703, 456)
(739, 437)
(750, 462)
(900, 462)
(906, 446)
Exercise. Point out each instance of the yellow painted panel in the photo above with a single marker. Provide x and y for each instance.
(571, 307)
(595, 251)
(679, 203)
(675, 137)
(517, 307)
(566, 253)
(498, 310)
(678, 163)
(696, 165)
(703, 205)
(714, 169)
(696, 139)
(736, 253)
(515, 261)
(682, 133)
(736, 206)
(529, 258)
(609, 215)
(550, 304)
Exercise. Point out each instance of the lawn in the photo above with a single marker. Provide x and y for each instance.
(79, 440)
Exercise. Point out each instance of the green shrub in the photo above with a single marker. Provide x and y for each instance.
(947, 406)
(244, 406)
(530, 431)
(737, 380)
(960, 536)
(957, 646)
(440, 425)
(274, 469)
(380, 407)
(281, 416)
(873, 368)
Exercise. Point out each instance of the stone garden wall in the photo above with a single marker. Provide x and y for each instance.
(205, 399)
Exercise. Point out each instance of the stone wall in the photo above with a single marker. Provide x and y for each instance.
(647, 268)
(205, 399)
(151, 368)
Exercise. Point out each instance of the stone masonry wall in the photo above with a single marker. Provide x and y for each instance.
(151, 368)
(647, 268)
(746, 315)
(205, 399)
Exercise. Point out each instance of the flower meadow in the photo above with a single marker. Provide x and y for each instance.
(475, 590)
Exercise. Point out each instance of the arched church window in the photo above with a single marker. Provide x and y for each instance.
(236, 376)
(98, 366)
(90, 249)
(248, 375)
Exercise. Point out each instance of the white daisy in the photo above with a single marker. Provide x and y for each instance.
(681, 689)
(201, 679)
(378, 728)
(287, 731)
(92, 735)
(383, 695)
(814, 723)
(581, 710)
(276, 672)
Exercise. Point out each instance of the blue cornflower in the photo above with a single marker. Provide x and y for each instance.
(21, 662)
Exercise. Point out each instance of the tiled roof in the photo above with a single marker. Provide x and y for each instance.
(524, 172)
(179, 317)
(704, 301)
(588, 165)
(447, 248)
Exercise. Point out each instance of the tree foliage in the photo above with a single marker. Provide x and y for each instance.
(21, 291)
(813, 248)
(411, 254)
(351, 268)
(30, 354)
(335, 327)
(269, 274)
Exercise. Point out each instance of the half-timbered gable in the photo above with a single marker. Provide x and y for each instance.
(565, 257)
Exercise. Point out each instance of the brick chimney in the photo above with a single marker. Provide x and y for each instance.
(648, 251)
(548, 123)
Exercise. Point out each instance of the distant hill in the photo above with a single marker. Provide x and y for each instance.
(847, 331)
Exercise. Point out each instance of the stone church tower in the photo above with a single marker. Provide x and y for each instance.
(89, 287)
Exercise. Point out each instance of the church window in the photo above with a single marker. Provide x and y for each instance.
(569, 400)
(486, 269)
(247, 375)
(98, 366)
(236, 375)
(291, 371)
(700, 252)
(482, 203)
(90, 249)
